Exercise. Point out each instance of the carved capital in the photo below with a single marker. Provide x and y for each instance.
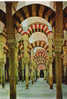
(50, 59)
(58, 45)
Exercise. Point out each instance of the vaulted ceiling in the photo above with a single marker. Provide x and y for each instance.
(35, 10)
(44, 10)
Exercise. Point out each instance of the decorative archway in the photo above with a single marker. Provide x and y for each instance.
(33, 45)
(40, 59)
(35, 28)
(38, 28)
(30, 11)
(34, 10)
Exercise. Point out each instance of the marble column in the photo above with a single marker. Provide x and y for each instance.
(50, 38)
(2, 59)
(26, 59)
(38, 73)
(16, 62)
(50, 76)
(2, 74)
(58, 37)
(32, 74)
(12, 49)
(22, 70)
(27, 76)
(65, 63)
(33, 67)
(45, 74)
(65, 56)
(47, 70)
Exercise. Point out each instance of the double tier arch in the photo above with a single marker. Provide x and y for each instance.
(31, 46)
(39, 28)
(42, 28)
(40, 56)
(32, 10)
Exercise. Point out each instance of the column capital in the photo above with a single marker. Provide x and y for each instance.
(58, 45)
(12, 43)
(50, 59)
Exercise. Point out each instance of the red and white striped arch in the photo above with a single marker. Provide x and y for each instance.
(39, 28)
(42, 44)
(20, 30)
(35, 28)
(40, 53)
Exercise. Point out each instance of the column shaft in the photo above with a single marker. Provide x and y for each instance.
(22, 70)
(50, 38)
(11, 47)
(26, 59)
(58, 46)
(50, 76)
(27, 75)
(32, 74)
(45, 74)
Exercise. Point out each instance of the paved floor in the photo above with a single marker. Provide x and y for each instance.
(39, 90)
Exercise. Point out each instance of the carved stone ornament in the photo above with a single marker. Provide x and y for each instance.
(58, 45)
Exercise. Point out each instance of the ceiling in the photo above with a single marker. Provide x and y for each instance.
(26, 3)
(25, 10)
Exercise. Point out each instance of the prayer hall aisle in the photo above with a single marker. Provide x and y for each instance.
(33, 50)
(39, 90)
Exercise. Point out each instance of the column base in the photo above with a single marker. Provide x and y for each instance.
(13, 95)
(51, 82)
(3, 85)
(27, 86)
(35, 80)
(51, 86)
(32, 82)
(22, 80)
(45, 79)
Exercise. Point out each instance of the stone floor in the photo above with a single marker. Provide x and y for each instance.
(39, 90)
